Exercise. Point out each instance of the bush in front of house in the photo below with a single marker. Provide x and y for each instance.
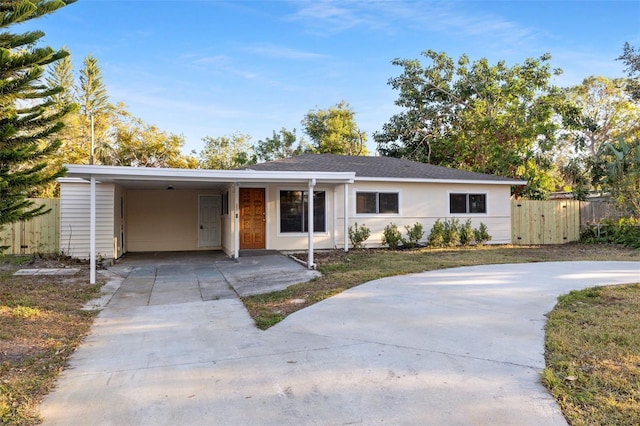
(358, 235)
(436, 236)
(451, 233)
(481, 234)
(466, 234)
(414, 235)
(391, 236)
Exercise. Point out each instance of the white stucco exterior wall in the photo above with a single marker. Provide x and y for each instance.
(425, 203)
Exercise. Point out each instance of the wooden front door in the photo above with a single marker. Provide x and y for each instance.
(252, 218)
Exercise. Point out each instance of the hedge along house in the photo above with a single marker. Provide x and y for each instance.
(107, 211)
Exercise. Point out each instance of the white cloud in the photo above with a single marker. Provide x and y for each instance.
(329, 17)
(282, 52)
(208, 60)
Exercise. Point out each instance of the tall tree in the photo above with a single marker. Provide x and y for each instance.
(477, 116)
(280, 145)
(142, 145)
(60, 74)
(226, 152)
(28, 119)
(631, 58)
(334, 131)
(606, 113)
(96, 111)
(92, 92)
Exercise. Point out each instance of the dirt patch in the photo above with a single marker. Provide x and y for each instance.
(41, 324)
(14, 263)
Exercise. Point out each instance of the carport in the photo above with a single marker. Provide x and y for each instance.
(227, 190)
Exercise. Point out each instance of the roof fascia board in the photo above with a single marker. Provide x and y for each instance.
(463, 181)
(146, 173)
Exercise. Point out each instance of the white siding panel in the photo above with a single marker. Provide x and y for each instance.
(74, 219)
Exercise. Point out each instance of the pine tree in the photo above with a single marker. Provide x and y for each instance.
(92, 93)
(60, 74)
(28, 118)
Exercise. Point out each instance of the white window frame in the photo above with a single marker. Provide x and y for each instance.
(376, 191)
(486, 203)
(279, 233)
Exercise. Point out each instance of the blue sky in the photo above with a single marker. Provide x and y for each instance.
(212, 68)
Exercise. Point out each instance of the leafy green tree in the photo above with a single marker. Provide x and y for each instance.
(142, 145)
(28, 118)
(334, 131)
(617, 171)
(606, 113)
(226, 152)
(280, 145)
(476, 116)
(631, 58)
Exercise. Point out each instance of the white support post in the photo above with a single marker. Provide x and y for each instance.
(236, 218)
(92, 231)
(346, 217)
(312, 184)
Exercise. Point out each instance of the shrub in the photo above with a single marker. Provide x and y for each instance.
(436, 236)
(481, 234)
(466, 233)
(451, 234)
(414, 235)
(625, 231)
(391, 236)
(358, 235)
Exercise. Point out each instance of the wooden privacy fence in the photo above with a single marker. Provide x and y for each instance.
(545, 222)
(38, 235)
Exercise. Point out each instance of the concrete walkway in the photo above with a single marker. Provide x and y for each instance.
(457, 347)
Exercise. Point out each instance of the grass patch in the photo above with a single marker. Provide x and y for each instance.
(341, 270)
(592, 352)
(41, 324)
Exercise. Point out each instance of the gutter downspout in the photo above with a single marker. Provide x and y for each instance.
(312, 184)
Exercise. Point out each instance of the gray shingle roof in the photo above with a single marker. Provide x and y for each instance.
(373, 167)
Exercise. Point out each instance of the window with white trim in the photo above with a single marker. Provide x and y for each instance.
(377, 203)
(467, 203)
(294, 214)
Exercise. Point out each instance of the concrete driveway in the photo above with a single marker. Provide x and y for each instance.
(165, 278)
(460, 346)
